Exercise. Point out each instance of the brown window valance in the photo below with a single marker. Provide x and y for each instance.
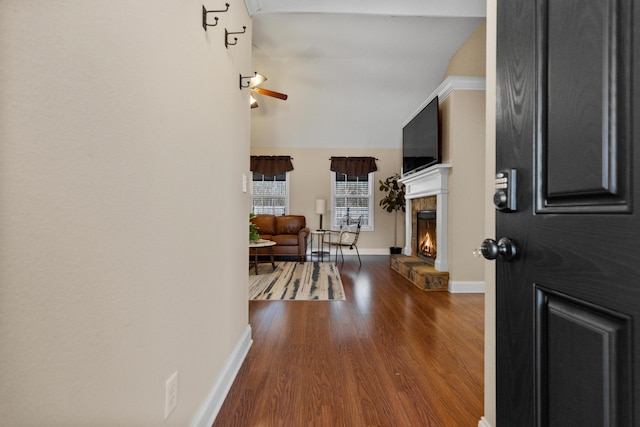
(271, 165)
(353, 166)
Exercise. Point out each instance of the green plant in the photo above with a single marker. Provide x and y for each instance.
(253, 230)
(394, 200)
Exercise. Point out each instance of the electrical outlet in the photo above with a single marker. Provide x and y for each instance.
(170, 394)
(244, 183)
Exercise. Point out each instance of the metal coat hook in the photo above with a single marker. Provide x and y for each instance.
(227, 43)
(242, 86)
(204, 16)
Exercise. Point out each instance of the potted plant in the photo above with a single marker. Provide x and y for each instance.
(253, 230)
(393, 201)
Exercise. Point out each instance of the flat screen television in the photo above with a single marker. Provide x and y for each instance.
(421, 145)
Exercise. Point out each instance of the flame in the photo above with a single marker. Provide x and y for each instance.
(427, 245)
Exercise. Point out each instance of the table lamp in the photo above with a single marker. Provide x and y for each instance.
(321, 206)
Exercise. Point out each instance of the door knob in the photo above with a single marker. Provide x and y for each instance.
(504, 248)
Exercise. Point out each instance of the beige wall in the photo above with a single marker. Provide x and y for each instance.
(462, 115)
(123, 138)
(311, 180)
(470, 59)
(463, 125)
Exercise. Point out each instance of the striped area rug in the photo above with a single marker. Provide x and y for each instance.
(315, 281)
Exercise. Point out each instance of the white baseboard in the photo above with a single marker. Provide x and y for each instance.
(483, 422)
(352, 252)
(365, 251)
(207, 413)
(457, 287)
(371, 251)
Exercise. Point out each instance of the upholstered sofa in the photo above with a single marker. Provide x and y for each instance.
(288, 231)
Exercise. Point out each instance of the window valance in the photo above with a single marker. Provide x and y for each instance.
(271, 165)
(353, 166)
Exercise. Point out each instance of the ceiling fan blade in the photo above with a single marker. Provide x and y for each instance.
(268, 92)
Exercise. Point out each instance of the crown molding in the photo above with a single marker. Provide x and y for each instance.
(450, 84)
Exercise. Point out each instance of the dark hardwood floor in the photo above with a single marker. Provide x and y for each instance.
(390, 355)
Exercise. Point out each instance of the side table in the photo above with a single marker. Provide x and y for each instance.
(262, 244)
(319, 238)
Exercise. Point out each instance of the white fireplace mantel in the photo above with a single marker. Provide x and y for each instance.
(429, 182)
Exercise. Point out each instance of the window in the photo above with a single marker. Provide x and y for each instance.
(270, 194)
(352, 196)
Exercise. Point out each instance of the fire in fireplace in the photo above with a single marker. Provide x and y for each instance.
(426, 235)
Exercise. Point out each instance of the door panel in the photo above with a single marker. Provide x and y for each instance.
(583, 363)
(584, 97)
(568, 306)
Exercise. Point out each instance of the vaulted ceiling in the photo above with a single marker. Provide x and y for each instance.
(350, 65)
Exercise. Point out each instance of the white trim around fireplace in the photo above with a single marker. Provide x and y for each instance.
(428, 182)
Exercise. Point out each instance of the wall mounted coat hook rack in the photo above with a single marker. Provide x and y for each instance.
(204, 16)
(227, 33)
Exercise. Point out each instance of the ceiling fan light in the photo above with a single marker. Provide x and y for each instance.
(257, 79)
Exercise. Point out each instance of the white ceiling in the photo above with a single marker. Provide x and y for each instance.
(388, 7)
(361, 28)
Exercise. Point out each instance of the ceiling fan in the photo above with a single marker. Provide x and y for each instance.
(252, 84)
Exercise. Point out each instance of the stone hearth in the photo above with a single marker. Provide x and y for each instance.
(420, 273)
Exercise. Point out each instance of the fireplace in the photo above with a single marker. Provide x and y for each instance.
(428, 190)
(426, 238)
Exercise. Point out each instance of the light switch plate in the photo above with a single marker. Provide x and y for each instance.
(170, 394)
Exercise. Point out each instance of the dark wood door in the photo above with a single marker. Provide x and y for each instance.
(568, 304)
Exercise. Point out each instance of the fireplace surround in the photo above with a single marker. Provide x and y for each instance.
(428, 190)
